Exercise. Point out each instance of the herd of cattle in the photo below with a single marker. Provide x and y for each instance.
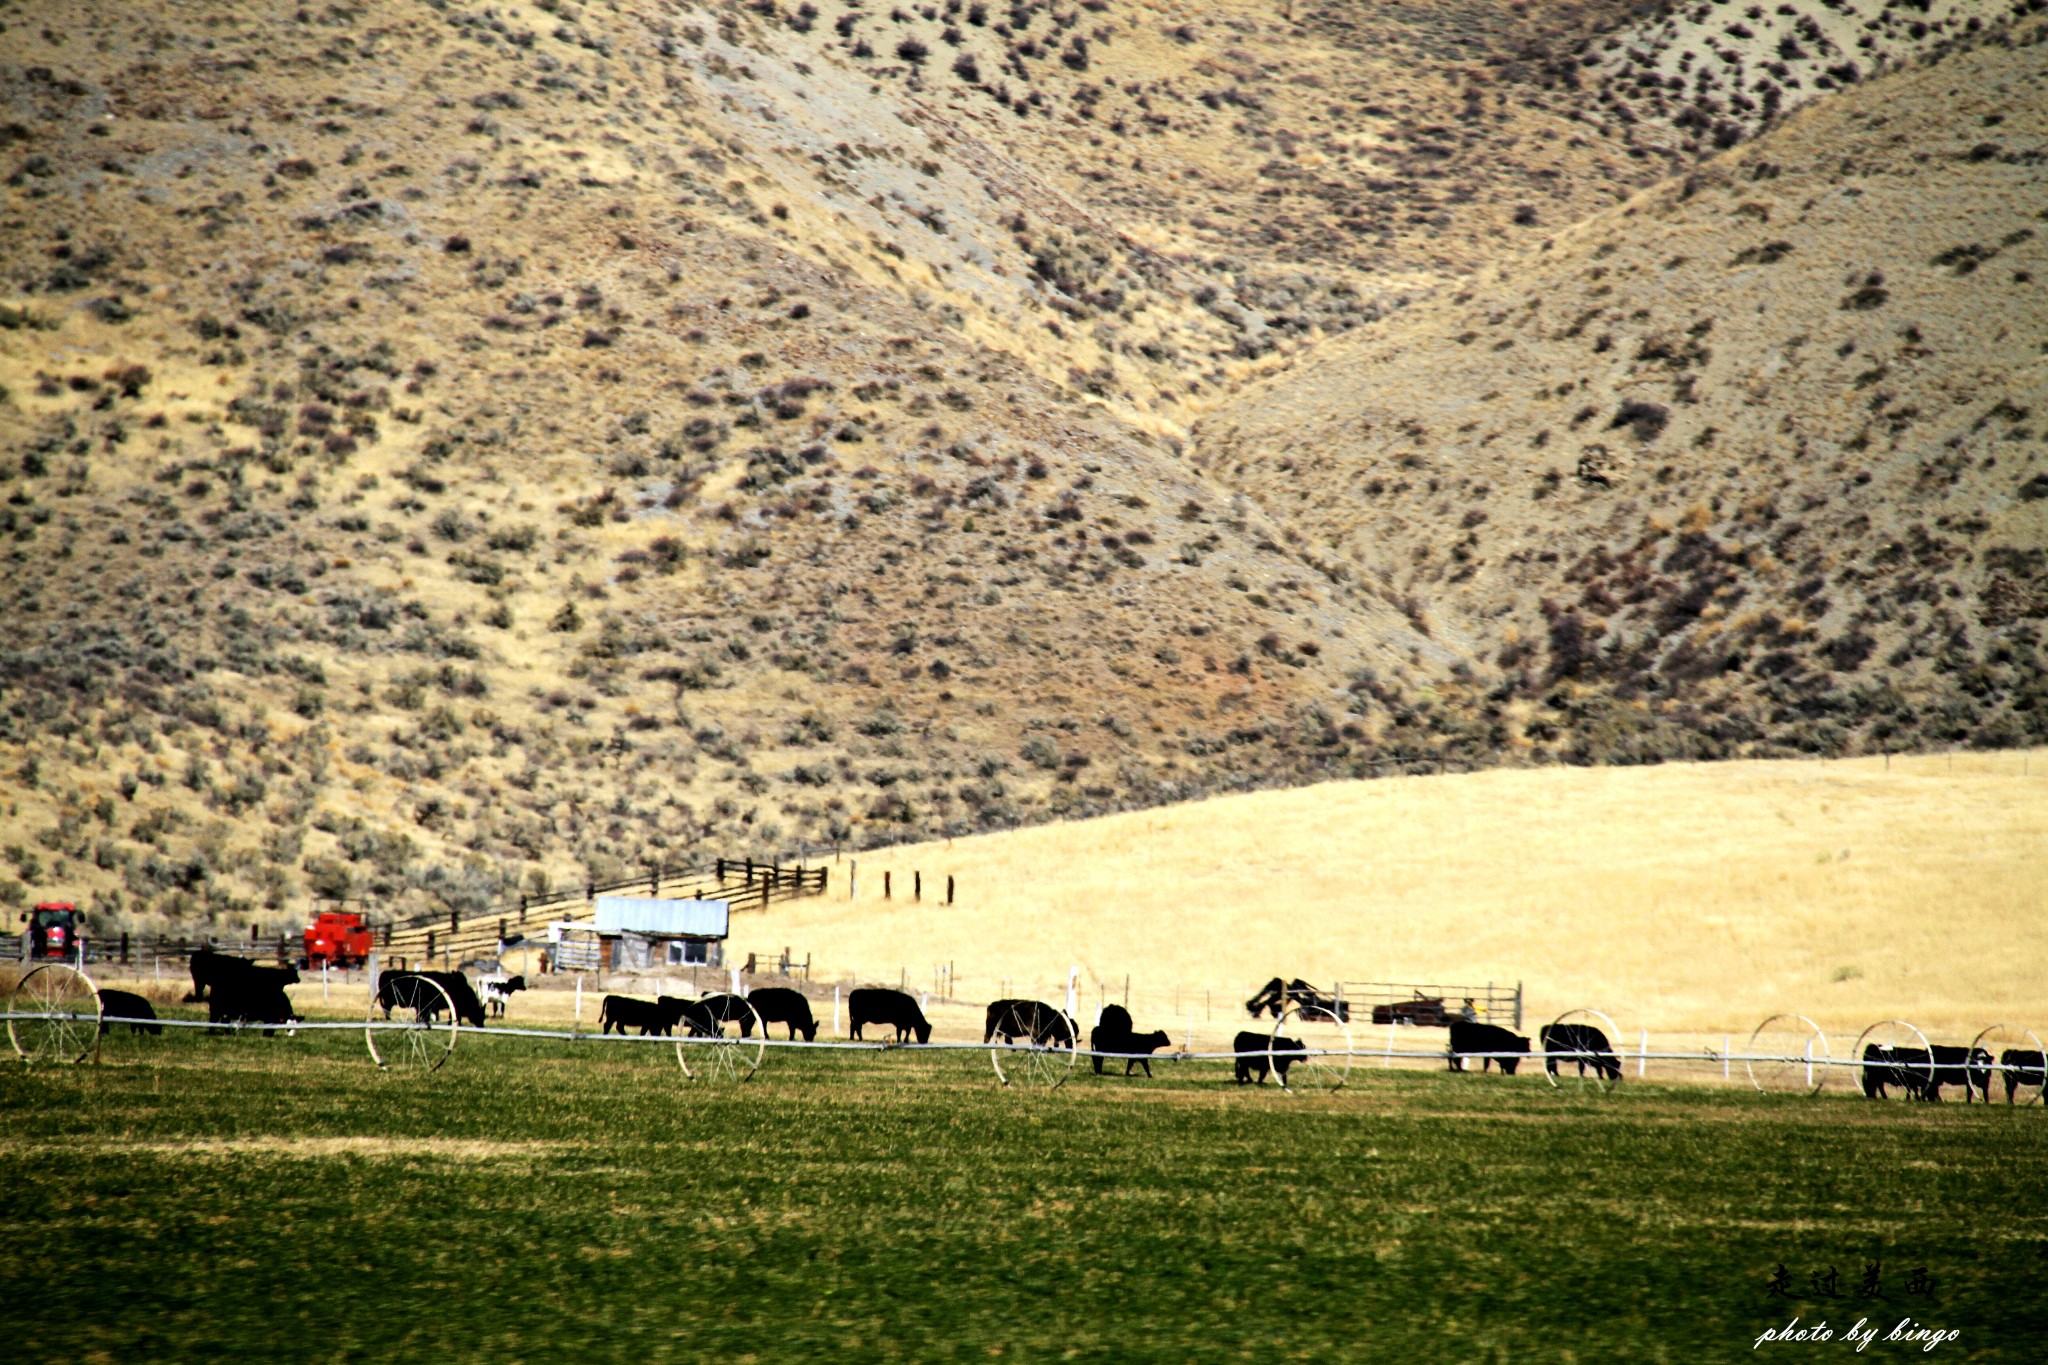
(1921, 1072)
(237, 991)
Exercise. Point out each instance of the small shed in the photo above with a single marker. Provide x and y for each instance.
(640, 932)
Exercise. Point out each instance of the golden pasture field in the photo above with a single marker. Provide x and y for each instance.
(1687, 899)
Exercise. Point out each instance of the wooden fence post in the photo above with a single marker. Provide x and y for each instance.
(430, 946)
(124, 947)
(949, 888)
(917, 886)
(885, 886)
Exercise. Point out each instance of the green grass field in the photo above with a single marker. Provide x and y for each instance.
(216, 1199)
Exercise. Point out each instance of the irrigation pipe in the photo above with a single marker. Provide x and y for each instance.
(570, 1036)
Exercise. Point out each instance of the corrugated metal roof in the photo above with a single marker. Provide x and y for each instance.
(647, 915)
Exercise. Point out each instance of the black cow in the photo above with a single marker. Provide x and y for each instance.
(1253, 1051)
(2021, 1068)
(878, 1005)
(698, 1019)
(1881, 1072)
(403, 990)
(1033, 1019)
(125, 1007)
(1581, 1043)
(781, 1005)
(255, 996)
(652, 1017)
(1908, 1068)
(722, 1009)
(498, 992)
(1968, 1067)
(1469, 1037)
(1114, 1033)
(211, 969)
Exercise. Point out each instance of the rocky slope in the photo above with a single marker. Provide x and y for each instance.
(446, 446)
(1757, 458)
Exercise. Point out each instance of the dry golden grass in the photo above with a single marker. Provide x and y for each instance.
(1686, 899)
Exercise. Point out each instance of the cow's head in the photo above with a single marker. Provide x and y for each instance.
(513, 983)
(810, 1031)
(1152, 1042)
(923, 1029)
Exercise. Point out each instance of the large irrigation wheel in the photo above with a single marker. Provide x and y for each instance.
(1041, 1066)
(1902, 1078)
(2026, 1082)
(54, 1015)
(1596, 1070)
(412, 1041)
(1324, 1064)
(1787, 1055)
(724, 1058)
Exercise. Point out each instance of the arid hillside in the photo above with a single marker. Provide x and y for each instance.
(1757, 457)
(448, 445)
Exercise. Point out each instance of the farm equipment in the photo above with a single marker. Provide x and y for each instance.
(56, 931)
(1419, 1012)
(338, 938)
(1276, 996)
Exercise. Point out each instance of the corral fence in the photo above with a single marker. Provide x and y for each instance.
(454, 936)
(1431, 1006)
(743, 884)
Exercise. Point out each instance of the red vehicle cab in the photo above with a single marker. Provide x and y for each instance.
(338, 938)
(55, 931)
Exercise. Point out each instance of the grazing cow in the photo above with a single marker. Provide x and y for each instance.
(2021, 1068)
(125, 1007)
(878, 1005)
(781, 1005)
(402, 990)
(723, 1009)
(255, 996)
(1254, 1052)
(1469, 1037)
(1033, 1019)
(497, 991)
(211, 969)
(1968, 1067)
(1880, 1072)
(697, 1017)
(1911, 1069)
(657, 1018)
(1581, 1043)
(1114, 1033)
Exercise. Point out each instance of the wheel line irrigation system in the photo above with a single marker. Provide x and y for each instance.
(55, 1015)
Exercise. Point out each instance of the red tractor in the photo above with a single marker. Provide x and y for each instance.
(56, 931)
(338, 938)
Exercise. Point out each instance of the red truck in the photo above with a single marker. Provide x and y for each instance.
(55, 931)
(338, 938)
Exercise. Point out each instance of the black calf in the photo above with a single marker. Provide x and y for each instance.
(1254, 1052)
(125, 1007)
